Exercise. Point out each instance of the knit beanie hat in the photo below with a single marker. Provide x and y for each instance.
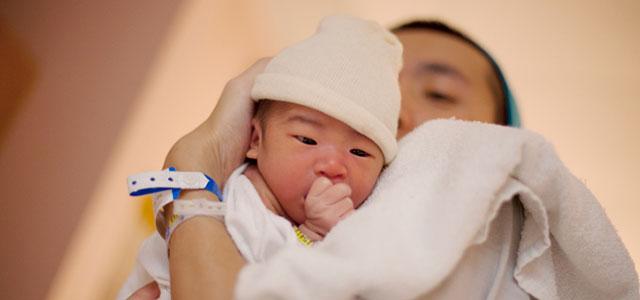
(348, 70)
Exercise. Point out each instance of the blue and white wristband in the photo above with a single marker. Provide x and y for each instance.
(152, 182)
(165, 186)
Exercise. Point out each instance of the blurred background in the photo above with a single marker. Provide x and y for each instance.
(92, 91)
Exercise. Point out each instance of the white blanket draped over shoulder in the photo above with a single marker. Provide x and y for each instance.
(437, 199)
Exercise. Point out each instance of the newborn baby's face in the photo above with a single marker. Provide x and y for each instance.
(300, 144)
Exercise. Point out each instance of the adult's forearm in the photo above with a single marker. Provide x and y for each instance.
(204, 261)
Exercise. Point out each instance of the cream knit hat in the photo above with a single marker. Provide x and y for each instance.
(348, 70)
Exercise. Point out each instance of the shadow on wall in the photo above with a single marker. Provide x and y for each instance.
(18, 72)
(70, 73)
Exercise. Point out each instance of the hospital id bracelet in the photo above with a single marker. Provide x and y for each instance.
(153, 182)
(184, 210)
(165, 186)
(302, 238)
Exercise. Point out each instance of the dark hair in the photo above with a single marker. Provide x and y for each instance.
(500, 92)
(263, 109)
(439, 26)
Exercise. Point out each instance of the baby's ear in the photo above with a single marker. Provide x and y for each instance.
(256, 139)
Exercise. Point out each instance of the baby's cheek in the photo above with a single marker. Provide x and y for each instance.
(358, 202)
(357, 195)
(294, 206)
(362, 193)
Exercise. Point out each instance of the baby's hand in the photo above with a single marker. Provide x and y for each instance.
(326, 204)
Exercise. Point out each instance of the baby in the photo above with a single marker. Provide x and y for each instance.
(324, 128)
(310, 168)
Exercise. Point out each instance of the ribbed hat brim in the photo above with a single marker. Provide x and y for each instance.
(310, 94)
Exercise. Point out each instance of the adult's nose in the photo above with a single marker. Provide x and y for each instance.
(331, 165)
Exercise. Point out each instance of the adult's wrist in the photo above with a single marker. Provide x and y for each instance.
(187, 195)
(195, 152)
(204, 261)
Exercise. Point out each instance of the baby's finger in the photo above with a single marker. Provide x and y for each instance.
(347, 214)
(318, 186)
(340, 207)
(336, 193)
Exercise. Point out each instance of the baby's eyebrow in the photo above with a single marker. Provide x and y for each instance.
(305, 119)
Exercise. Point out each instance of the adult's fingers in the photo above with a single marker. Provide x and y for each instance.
(240, 85)
(255, 69)
(218, 145)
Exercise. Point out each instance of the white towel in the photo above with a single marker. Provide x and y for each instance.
(438, 199)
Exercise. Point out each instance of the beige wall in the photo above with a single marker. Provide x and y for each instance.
(91, 57)
(573, 66)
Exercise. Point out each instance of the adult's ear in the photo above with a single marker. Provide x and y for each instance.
(256, 139)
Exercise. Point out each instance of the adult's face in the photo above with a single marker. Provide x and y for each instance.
(444, 77)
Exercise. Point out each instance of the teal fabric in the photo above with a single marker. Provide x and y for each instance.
(513, 116)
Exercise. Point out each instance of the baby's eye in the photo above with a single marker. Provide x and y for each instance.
(359, 152)
(306, 140)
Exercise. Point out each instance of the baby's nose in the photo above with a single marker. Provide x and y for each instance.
(332, 167)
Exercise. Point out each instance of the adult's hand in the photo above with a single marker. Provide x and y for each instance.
(204, 262)
(219, 144)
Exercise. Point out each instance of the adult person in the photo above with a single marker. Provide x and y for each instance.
(445, 74)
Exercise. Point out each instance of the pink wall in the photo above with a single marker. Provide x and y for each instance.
(92, 57)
